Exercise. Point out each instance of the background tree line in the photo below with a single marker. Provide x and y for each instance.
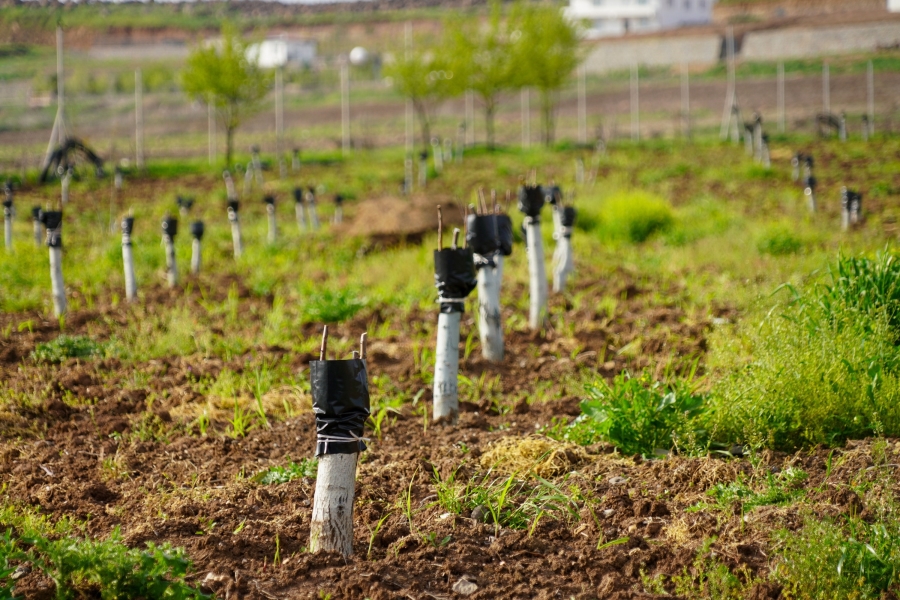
(532, 46)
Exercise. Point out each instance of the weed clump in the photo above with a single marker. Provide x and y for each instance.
(65, 347)
(276, 475)
(637, 415)
(635, 216)
(779, 240)
(329, 306)
(824, 365)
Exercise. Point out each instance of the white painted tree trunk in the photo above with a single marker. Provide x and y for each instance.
(273, 226)
(236, 238)
(313, 217)
(301, 219)
(845, 219)
(7, 231)
(810, 199)
(563, 265)
(537, 274)
(58, 288)
(130, 281)
(38, 233)
(446, 368)
(338, 215)
(331, 526)
(195, 256)
(171, 264)
(490, 327)
(65, 188)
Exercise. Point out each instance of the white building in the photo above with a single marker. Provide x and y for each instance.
(282, 50)
(604, 18)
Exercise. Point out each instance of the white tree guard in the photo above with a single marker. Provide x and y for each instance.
(236, 240)
(196, 249)
(273, 225)
(130, 280)
(446, 368)
(171, 264)
(58, 288)
(490, 326)
(537, 274)
(331, 526)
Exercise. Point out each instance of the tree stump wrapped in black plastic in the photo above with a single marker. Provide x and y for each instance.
(482, 237)
(169, 230)
(340, 391)
(454, 277)
(52, 220)
(531, 200)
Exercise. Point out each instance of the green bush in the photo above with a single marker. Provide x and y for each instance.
(106, 569)
(307, 467)
(824, 366)
(779, 239)
(635, 216)
(327, 306)
(828, 559)
(637, 415)
(66, 346)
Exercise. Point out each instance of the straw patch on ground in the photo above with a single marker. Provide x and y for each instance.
(534, 456)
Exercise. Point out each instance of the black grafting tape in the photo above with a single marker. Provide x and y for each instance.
(170, 226)
(481, 234)
(567, 219)
(454, 277)
(197, 230)
(36, 213)
(298, 195)
(338, 199)
(270, 200)
(531, 200)
(554, 193)
(505, 234)
(233, 206)
(52, 220)
(811, 182)
(340, 391)
(127, 226)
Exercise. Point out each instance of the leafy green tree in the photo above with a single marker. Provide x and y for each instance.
(423, 75)
(222, 75)
(482, 60)
(546, 53)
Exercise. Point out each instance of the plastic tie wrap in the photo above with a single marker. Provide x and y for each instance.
(127, 229)
(197, 230)
(340, 391)
(482, 238)
(531, 200)
(170, 227)
(52, 220)
(454, 277)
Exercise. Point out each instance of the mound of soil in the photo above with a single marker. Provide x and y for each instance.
(389, 220)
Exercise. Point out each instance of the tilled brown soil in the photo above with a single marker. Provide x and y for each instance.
(79, 453)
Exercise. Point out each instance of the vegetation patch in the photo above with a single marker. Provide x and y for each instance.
(635, 216)
(65, 347)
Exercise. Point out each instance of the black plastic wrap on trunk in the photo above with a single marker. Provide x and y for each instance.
(338, 199)
(531, 200)
(36, 213)
(567, 219)
(170, 226)
(454, 277)
(270, 200)
(554, 193)
(127, 226)
(298, 195)
(505, 234)
(197, 230)
(481, 234)
(7, 207)
(52, 220)
(810, 182)
(233, 206)
(340, 392)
